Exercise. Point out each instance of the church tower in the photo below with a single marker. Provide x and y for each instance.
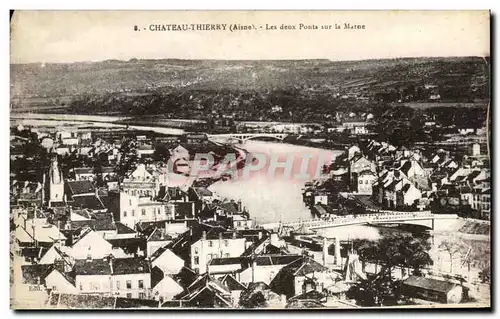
(56, 183)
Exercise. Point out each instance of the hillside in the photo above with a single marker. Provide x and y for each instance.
(299, 90)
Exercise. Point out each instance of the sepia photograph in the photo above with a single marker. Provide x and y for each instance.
(235, 160)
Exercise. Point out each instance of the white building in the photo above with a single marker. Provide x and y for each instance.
(134, 209)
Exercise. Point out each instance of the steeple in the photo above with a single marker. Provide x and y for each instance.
(56, 183)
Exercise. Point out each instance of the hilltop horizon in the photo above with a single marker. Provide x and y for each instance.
(260, 60)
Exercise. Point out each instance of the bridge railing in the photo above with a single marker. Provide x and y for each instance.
(362, 219)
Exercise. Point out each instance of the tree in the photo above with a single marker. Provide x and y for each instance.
(396, 250)
(377, 291)
(485, 275)
(452, 247)
(254, 296)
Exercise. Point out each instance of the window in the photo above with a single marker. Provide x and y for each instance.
(81, 286)
(141, 284)
(238, 223)
(196, 260)
(129, 295)
(133, 213)
(124, 213)
(143, 212)
(195, 250)
(366, 182)
(129, 284)
(361, 182)
(130, 202)
(142, 295)
(226, 255)
(209, 243)
(117, 285)
(226, 243)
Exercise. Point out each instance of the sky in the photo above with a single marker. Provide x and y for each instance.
(72, 36)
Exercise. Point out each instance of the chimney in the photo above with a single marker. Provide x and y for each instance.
(234, 235)
(260, 234)
(239, 205)
(254, 264)
(204, 235)
(220, 235)
(110, 261)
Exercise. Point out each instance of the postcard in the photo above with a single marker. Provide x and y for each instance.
(237, 160)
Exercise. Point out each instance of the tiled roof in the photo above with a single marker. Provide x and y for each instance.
(123, 229)
(80, 187)
(88, 201)
(310, 295)
(33, 273)
(185, 277)
(429, 284)
(124, 266)
(231, 283)
(159, 235)
(92, 267)
(68, 301)
(134, 303)
(84, 170)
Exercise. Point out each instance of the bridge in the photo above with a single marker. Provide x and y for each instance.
(421, 218)
(246, 136)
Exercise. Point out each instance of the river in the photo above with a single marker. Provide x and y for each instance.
(273, 197)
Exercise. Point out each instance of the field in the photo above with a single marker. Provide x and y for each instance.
(305, 90)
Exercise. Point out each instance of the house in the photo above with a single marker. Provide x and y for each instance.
(432, 289)
(93, 276)
(164, 259)
(215, 243)
(365, 180)
(145, 150)
(355, 125)
(157, 239)
(235, 287)
(172, 194)
(205, 292)
(140, 182)
(91, 244)
(84, 173)
(466, 130)
(202, 194)
(241, 222)
(299, 277)
(131, 277)
(353, 150)
(38, 232)
(360, 163)
(58, 254)
(82, 194)
(265, 268)
(125, 277)
(135, 209)
(35, 274)
(408, 195)
(60, 282)
(164, 286)
(309, 299)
